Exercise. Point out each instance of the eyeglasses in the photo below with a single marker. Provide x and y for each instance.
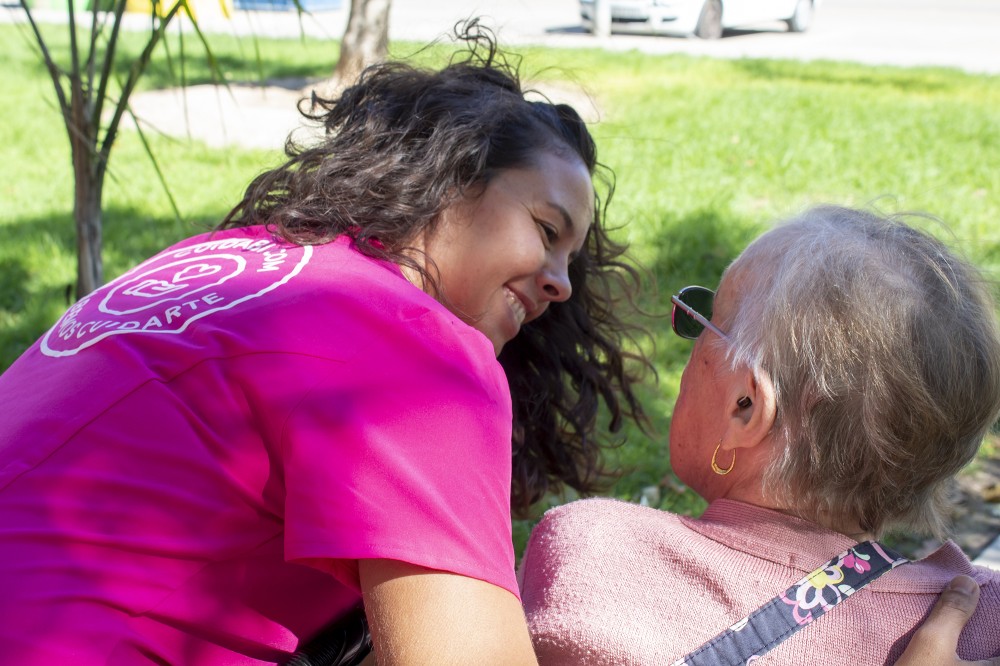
(692, 311)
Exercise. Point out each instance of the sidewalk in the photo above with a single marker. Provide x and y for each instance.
(991, 556)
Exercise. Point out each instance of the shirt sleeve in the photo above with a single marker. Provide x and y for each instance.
(402, 451)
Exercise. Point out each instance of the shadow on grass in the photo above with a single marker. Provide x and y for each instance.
(695, 249)
(20, 322)
(38, 266)
(237, 69)
(13, 280)
(690, 249)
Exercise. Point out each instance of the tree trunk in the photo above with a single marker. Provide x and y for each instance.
(88, 216)
(365, 42)
(88, 186)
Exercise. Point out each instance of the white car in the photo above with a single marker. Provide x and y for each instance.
(702, 18)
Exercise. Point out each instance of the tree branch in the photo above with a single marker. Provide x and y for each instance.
(109, 56)
(50, 64)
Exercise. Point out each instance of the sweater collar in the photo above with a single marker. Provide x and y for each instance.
(804, 545)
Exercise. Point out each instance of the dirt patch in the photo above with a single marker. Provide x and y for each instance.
(240, 114)
(253, 115)
(569, 93)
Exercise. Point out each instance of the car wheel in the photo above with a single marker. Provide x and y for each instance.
(710, 21)
(802, 18)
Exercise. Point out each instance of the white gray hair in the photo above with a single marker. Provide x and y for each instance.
(884, 351)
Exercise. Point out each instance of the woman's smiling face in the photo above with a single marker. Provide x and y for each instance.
(500, 258)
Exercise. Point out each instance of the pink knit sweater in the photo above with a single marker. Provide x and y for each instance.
(607, 582)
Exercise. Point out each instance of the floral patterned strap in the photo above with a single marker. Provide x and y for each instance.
(796, 607)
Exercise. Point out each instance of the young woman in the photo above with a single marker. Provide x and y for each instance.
(233, 444)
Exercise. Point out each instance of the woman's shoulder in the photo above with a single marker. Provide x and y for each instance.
(329, 296)
(602, 516)
(345, 275)
(929, 574)
(582, 548)
(599, 505)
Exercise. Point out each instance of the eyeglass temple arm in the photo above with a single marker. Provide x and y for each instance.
(694, 314)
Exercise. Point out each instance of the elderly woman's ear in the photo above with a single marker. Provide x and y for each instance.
(752, 410)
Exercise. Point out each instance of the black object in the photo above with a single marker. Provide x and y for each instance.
(345, 642)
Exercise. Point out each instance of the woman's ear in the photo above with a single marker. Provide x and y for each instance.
(752, 412)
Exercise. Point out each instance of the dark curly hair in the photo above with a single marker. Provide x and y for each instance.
(404, 143)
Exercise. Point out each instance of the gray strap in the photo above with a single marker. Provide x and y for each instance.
(797, 607)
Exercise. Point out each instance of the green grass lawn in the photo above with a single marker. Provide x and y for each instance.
(706, 152)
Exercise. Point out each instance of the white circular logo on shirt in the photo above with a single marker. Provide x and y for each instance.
(175, 288)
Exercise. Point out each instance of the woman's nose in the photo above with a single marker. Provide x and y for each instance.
(555, 283)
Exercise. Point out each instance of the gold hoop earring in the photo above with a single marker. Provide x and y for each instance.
(715, 466)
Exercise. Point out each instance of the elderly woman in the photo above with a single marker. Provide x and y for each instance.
(847, 369)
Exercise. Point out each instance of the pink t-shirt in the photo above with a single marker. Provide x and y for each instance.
(191, 451)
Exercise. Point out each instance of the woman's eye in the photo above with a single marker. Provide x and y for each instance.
(550, 232)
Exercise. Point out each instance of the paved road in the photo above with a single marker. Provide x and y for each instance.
(955, 33)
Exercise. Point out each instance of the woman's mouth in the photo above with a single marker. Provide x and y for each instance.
(516, 306)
